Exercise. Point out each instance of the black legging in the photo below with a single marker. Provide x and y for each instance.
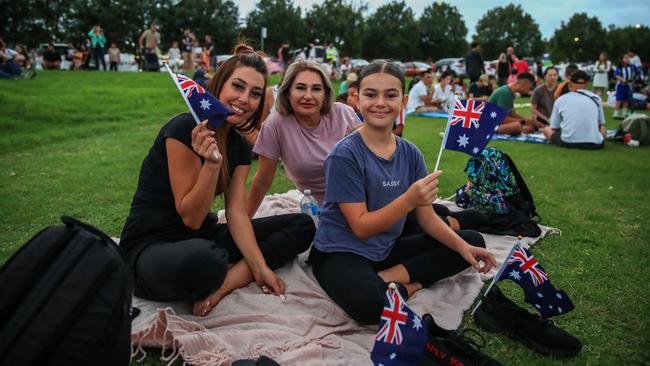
(98, 55)
(191, 269)
(353, 283)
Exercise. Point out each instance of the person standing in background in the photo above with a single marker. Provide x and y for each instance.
(474, 63)
(601, 76)
(98, 42)
(503, 69)
(114, 56)
(187, 40)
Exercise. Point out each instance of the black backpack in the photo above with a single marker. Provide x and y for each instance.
(499, 191)
(66, 300)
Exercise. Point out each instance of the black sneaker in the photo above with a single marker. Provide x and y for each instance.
(498, 314)
(450, 348)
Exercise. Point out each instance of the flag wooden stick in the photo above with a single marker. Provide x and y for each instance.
(499, 272)
(189, 106)
(444, 139)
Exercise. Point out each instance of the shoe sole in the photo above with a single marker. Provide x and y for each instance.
(492, 325)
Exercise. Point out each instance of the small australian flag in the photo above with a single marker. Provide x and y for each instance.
(402, 334)
(524, 270)
(203, 104)
(471, 125)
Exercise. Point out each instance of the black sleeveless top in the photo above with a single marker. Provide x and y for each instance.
(153, 216)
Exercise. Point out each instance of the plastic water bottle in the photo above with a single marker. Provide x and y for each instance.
(309, 206)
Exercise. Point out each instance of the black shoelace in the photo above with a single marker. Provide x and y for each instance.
(469, 346)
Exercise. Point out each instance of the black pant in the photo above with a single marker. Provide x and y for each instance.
(191, 269)
(556, 139)
(113, 66)
(353, 283)
(98, 55)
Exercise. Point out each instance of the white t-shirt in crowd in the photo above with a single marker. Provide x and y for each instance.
(419, 90)
(578, 117)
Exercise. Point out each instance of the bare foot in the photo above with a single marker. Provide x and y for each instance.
(202, 308)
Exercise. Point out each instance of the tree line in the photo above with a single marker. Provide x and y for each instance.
(391, 31)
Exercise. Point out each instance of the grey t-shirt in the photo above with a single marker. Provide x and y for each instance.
(353, 173)
(578, 117)
(543, 99)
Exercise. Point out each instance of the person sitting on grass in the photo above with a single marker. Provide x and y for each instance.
(479, 90)
(504, 97)
(577, 120)
(420, 96)
(443, 93)
(51, 58)
(563, 87)
(175, 247)
(374, 179)
(541, 104)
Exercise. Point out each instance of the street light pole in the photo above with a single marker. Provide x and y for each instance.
(262, 36)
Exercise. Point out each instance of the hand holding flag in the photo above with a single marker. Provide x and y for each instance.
(202, 104)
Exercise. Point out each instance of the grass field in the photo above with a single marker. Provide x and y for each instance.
(72, 143)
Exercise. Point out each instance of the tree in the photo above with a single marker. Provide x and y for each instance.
(283, 22)
(391, 32)
(218, 18)
(503, 27)
(582, 38)
(442, 30)
(622, 40)
(339, 22)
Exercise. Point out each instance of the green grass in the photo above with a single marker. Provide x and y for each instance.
(72, 143)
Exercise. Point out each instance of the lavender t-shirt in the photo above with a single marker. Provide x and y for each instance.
(355, 174)
(303, 150)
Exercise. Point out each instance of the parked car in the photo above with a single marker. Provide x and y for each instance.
(222, 58)
(416, 67)
(455, 64)
(490, 67)
(359, 62)
(320, 53)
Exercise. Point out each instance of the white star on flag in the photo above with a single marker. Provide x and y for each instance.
(558, 295)
(417, 322)
(539, 294)
(205, 104)
(514, 274)
(493, 115)
(537, 306)
(392, 356)
(475, 150)
(463, 140)
(559, 309)
(496, 127)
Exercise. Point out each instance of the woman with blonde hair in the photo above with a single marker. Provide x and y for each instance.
(306, 125)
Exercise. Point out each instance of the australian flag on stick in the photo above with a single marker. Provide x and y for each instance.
(523, 269)
(471, 125)
(402, 334)
(202, 104)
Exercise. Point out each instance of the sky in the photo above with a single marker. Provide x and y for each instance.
(547, 13)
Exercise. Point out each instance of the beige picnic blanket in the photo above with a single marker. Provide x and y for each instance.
(307, 328)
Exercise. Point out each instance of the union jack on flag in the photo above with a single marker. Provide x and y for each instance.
(393, 317)
(188, 86)
(471, 125)
(522, 268)
(528, 265)
(402, 334)
(467, 112)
